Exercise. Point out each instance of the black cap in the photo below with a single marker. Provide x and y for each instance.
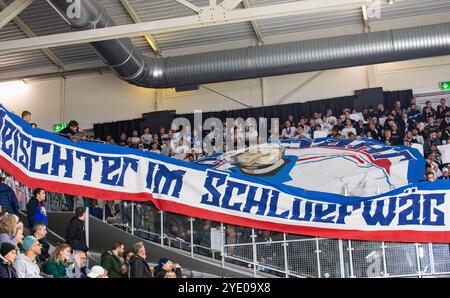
(7, 248)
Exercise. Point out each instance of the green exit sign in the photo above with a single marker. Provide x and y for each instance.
(445, 86)
(59, 126)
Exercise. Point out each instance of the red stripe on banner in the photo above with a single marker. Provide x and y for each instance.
(175, 207)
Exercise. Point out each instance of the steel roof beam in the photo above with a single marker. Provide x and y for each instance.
(13, 10)
(177, 24)
(135, 17)
(29, 33)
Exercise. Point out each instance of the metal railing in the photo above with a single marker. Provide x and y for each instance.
(265, 253)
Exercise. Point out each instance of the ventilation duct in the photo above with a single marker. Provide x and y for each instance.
(254, 62)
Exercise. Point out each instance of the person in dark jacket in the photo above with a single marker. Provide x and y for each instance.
(97, 212)
(40, 232)
(7, 258)
(8, 199)
(35, 208)
(75, 233)
(138, 266)
(111, 262)
(164, 266)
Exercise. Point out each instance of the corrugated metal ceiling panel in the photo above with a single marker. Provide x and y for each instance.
(309, 22)
(401, 9)
(15, 61)
(43, 20)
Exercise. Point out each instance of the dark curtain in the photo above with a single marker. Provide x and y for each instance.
(404, 96)
(101, 130)
(297, 110)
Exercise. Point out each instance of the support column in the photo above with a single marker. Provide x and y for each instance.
(191, 220)
(371, 76)
(132, 218)
(159, 94)
(255, 257)
(162, 227)
(341, 258)
(286, 265)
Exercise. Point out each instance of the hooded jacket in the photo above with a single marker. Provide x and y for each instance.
(26, 268)
(36, 213)
(6, 269)
(8, 199)
(76, 235)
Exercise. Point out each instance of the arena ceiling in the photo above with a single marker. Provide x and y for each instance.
(247, 27)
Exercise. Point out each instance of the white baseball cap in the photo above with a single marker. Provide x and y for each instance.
(96, 271)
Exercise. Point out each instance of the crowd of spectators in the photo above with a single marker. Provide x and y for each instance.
(427, 127)
(398, 126)
(32, 256)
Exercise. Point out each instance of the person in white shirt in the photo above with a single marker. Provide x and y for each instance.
(330, 118)
(289, 131)
(154, 148)
(326, 126)
(146, 138)
(348, 129)
(416, 136)
(180, 151)
(252, 135)
(135, 140)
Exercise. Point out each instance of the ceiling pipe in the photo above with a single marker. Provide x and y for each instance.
(254, 62)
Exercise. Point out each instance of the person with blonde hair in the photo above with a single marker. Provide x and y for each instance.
(8, 229)
(170, 274)
(19, 234)
(138, 266)
(58, 262)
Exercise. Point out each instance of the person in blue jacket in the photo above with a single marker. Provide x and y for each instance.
(35, 208)
(8, 199)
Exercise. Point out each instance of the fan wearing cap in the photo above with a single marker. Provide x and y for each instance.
(164, 266)
(25, 264)
(97, 272)
(8, 256)
(445, 174)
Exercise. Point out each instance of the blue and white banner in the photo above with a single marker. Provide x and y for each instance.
(294, 186)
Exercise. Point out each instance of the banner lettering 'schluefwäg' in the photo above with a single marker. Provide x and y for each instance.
(418, 212)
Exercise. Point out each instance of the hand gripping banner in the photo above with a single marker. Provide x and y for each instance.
(351, 189)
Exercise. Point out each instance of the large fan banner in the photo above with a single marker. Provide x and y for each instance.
(351, 189)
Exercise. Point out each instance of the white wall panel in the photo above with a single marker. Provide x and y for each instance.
(104, 98)
(42, 99)
(99, 98)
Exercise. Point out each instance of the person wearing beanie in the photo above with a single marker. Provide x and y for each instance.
(25, 264)
(8, 253)
(164, 266)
